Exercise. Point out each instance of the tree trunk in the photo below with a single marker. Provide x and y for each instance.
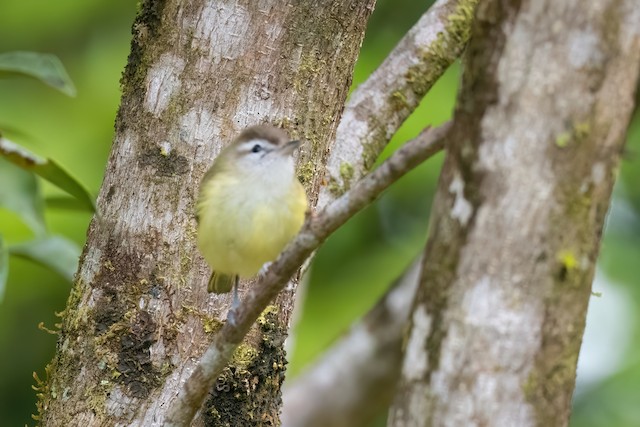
(498, 320)
(139, 315)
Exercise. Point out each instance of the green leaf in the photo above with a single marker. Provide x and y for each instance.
(4, 267)
(43, 66)
(65, 203)
(21, 134)
(47, 169)
(55, 252)
(20, 193)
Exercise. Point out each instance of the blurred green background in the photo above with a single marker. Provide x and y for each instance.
(350, 272)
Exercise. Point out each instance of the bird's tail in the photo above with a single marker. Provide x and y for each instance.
(220, 283)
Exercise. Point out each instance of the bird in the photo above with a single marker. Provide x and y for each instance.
(250, 205)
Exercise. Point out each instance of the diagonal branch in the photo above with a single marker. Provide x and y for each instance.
(316, 229)
(338, 394)
(378, 107)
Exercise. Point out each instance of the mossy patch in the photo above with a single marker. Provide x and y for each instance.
(579, 131)
(545, 380)
(440, 54)
(306, 173)
(111, 334)
(43, 389)
(399, 100)
(145, 27)
(165, 165)
(247, 393)
(210, 324)
(134, 358)
(562, 140)
(243, 356)
(346, 173)
(568, 259)
(338, 188)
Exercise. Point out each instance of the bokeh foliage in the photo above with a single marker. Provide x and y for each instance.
(353, 268)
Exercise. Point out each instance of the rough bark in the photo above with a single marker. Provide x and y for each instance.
(498, 320)
(139, 315)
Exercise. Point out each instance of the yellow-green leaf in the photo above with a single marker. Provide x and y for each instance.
(42, 66)
(55, 252)
(4, 267)
(20, 193)
(47, 169)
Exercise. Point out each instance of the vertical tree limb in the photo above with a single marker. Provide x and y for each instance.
(497, 325)
(139, 316)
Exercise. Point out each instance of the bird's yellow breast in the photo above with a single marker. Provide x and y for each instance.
(243, 225)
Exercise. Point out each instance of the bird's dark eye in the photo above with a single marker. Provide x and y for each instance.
(256, 148)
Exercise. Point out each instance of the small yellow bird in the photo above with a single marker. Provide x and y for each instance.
(250, 205)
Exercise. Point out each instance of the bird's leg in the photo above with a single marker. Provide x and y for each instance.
(236, 298)
(231, 315)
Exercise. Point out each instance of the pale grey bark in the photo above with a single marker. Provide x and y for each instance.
(377, 108)
(497, 324)
(139, 315)
(355, 378)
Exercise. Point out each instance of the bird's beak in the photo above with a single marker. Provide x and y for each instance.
(290, 147)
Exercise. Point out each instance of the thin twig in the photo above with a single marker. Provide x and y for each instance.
(316, 229)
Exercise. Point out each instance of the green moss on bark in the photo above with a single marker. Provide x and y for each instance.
(244, 393)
